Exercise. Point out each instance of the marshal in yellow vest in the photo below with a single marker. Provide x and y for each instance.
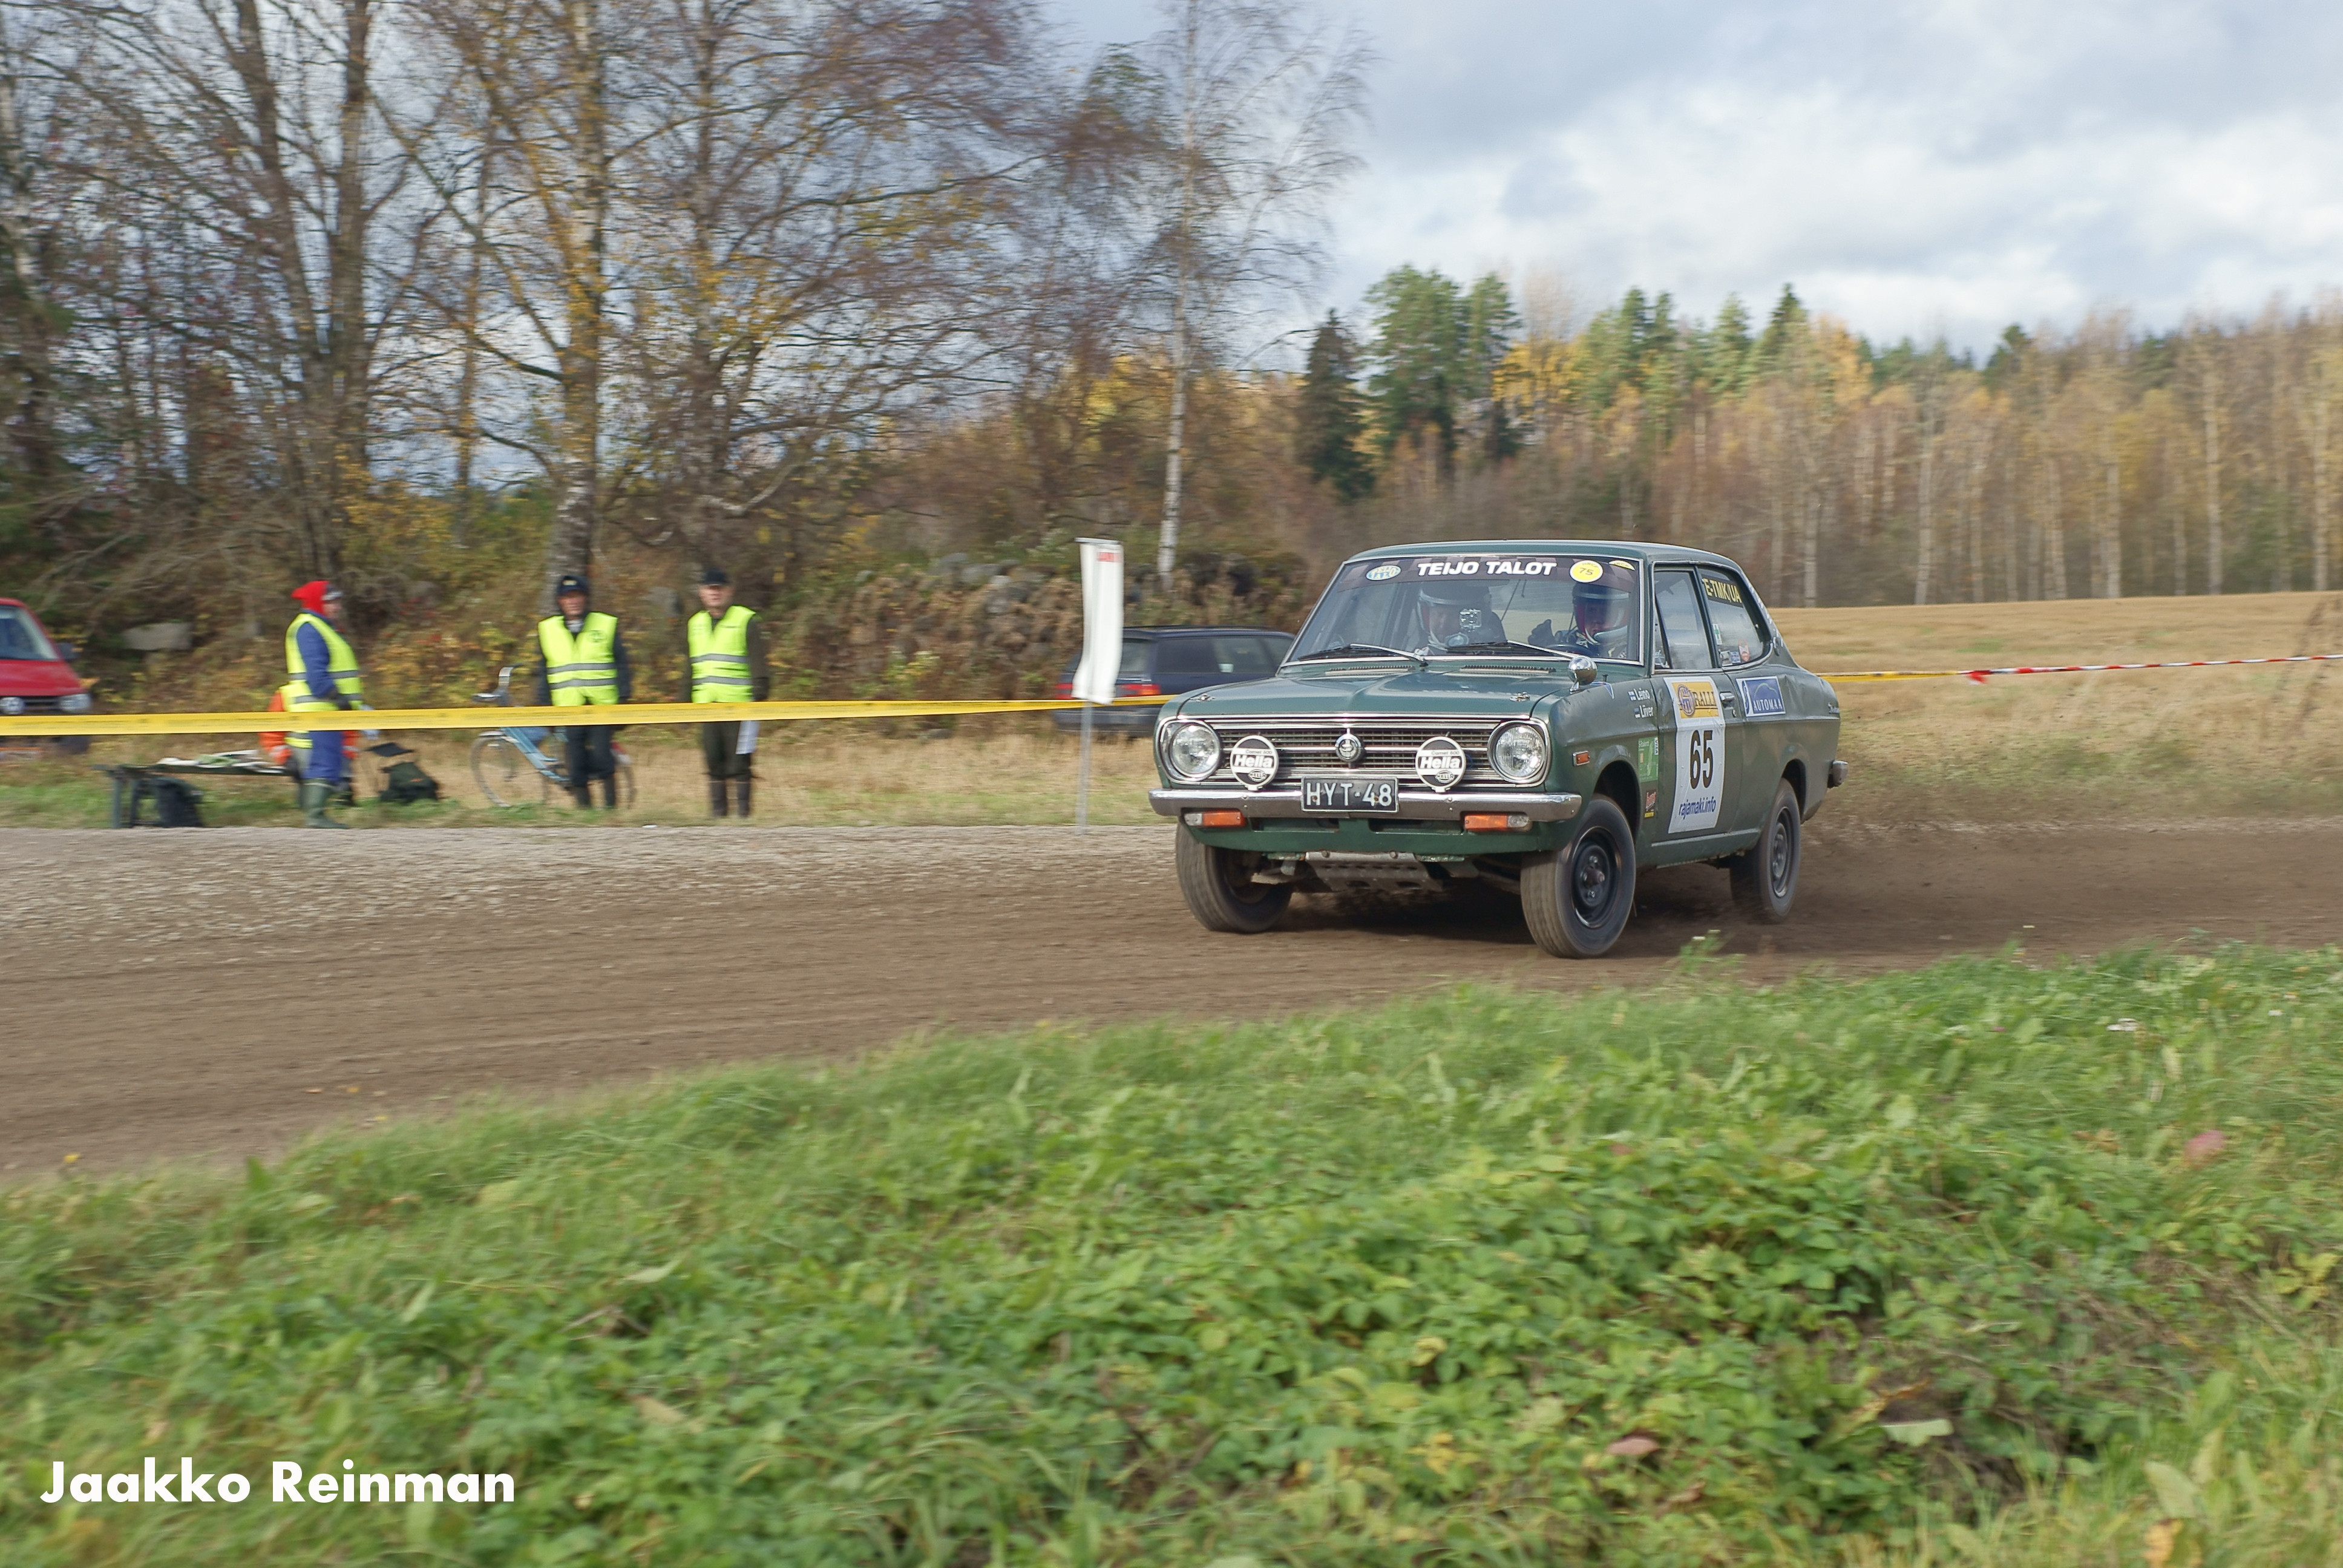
(582, 669)
(719, 655)
(342, 665)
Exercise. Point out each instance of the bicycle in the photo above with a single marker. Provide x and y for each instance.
(502, 759)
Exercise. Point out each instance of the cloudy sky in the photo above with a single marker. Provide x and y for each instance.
(1915, 168)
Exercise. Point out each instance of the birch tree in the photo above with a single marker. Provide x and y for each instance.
(1252, 116)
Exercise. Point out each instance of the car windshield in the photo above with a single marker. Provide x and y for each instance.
(1478, 605)
(20, 636)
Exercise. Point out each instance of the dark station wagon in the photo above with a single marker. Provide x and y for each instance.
(1170, 660)
(1549, 717)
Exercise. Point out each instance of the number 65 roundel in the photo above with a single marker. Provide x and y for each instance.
(1699, 801)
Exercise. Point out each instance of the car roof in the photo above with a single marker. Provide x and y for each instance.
(1635, 549)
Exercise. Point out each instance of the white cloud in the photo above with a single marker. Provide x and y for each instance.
(1913, 167)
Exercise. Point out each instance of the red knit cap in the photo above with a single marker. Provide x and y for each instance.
(312, 596)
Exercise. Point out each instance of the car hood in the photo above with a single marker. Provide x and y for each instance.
(1472, 692)
(37, 678)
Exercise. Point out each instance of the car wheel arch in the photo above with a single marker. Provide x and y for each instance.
(1617, 783)
(1793, 773)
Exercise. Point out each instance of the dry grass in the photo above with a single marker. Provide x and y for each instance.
(825, 775)
(2139, 744)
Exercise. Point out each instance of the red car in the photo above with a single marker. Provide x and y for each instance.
(36, 675)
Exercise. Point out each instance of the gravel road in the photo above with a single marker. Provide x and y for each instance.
(216, 994)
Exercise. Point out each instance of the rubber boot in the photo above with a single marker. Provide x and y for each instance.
(609, 791)
(716, 799)
(315, 793)
(747, 793)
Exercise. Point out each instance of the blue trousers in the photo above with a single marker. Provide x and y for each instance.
(322, 761)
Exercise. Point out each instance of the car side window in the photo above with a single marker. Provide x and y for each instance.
(1244, 656)
(1740, 638)
(1182, 655)
(1134, 661)
(1678, 603)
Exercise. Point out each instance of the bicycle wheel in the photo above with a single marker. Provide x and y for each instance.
(505, 774)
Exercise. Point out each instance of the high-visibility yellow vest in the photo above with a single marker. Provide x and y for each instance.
(341, 661)
(583, 668)
(341, 664)
(719, 655)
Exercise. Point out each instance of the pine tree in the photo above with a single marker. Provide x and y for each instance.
(1783, 329)
(1726, 366)
(1329, 421)
(1418, 346)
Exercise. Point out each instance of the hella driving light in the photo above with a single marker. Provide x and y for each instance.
(77, 702)
(1517, 752)
(1439, 762)
(1192, 751)
(1253, 760)
(12, 705)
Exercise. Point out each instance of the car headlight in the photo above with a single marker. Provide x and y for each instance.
(12, 705)
(1439, 762)
(1253, 760)
(78, 703)
(1517, 752)
(1192, 751)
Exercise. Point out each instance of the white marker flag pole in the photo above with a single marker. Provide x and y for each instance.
(1095, 677)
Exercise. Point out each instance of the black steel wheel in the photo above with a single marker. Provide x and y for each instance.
(1766, 875)
(1221, 892)
(1577, 900)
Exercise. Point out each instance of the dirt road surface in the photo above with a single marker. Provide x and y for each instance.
(217, 994)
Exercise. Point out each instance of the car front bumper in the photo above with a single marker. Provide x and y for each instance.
(1414, 805)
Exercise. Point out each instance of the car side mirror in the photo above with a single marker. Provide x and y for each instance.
(68, 652)
(1584, 670)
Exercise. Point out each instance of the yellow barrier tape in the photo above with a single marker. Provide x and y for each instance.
(486, 718)
(1837, 676)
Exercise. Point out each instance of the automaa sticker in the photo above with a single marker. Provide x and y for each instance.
(1761, 697)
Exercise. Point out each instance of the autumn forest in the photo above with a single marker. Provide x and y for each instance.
(880, 305)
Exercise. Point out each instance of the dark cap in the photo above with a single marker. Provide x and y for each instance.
(715, 576)
(570, 583)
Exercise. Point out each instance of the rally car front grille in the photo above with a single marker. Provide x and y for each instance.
(1387, 746)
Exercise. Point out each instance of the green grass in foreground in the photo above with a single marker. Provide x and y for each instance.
(1916, 1268)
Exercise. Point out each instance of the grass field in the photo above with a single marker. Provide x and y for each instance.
(821, 775)
(1984, 1263)
(2163, 744)
(2154, 744)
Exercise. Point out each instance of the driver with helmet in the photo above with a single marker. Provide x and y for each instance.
(1598, 618)
(1598, 622)
(1453, 615)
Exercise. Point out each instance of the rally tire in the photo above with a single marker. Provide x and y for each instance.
(1221, 893)
(504, 773)
(1766, 876)
(1576, 899)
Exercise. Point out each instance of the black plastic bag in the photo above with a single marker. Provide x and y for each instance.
(406, 782)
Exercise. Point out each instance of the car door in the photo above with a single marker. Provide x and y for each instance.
(1756, 723)
(1695, 718)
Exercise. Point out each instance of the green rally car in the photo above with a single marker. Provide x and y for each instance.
(1547, 716)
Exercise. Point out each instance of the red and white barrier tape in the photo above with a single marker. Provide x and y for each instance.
(1979, 676)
